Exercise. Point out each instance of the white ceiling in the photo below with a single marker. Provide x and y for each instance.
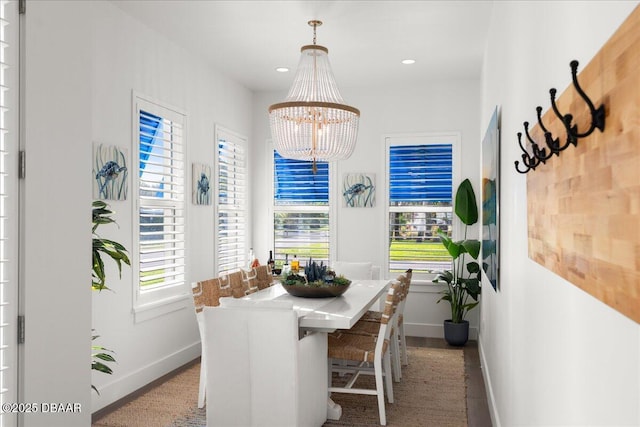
(247, 40)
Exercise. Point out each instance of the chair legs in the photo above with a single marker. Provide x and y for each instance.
(380, 391)
(203, 381)
(403, 345)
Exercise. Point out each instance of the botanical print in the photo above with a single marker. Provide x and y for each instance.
(359, 190)
(201, 184)
(109, 172)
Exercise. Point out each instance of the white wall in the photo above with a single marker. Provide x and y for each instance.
(134, 57)
(552, 354)
(55, 221)
(440, 106)
(83, 60)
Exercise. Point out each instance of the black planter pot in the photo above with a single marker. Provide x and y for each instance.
(456, 334)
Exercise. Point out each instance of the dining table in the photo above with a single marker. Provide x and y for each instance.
(267, 354)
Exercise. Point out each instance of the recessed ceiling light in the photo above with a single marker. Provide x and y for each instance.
(408, 61)
(282, 69)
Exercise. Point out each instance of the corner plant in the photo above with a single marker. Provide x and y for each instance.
(463, 280)
(102, 215)
(117, 252)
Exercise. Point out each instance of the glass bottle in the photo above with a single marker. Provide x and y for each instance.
(285, 267)
(295, 264)
(251, 258)
(271, 262)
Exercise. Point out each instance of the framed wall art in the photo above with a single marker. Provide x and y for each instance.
(359, 190)
(201, 184)
(109, 172)
(491, 200)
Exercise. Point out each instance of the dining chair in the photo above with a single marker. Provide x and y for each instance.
(249, 281)
(366, 350)
(206, 293)
(400, 355)
(260, 346)
(263, 276)
(235, 282)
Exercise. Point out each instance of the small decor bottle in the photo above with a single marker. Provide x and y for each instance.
(295, 264)
(251, 258)
(285, 267)
(271, 262)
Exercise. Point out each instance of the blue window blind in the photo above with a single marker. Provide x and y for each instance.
(420, 174)
(149, 125)
(295, 182)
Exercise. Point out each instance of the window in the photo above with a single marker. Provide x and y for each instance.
(160, 214)
(420, 176)
(300, 210)
(8, 206)
(232, 201)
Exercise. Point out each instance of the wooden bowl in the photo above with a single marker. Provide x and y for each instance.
(310, 291)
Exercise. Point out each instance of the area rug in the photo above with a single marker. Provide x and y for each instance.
(432, 393)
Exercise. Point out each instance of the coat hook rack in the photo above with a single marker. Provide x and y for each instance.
(539, 155)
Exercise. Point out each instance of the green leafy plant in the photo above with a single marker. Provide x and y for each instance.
(99, 355)
(463, 280)
(101, 215)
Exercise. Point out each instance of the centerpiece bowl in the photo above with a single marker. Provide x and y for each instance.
(317, 282)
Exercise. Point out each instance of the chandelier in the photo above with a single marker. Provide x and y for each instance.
(312, 123)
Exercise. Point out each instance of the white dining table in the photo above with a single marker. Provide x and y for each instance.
(329, 314)
(258, 374)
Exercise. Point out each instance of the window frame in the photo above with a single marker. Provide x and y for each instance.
(330, 208)
(241, 140)
(425, 138)
(159, 300)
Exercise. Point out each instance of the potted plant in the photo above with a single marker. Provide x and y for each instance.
(463, 280)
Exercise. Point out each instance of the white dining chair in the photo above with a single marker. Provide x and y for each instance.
(255, 344)
(371, 353)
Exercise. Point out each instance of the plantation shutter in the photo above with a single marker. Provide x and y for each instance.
(420, 178)
(301, 209)
(161, 196)
(8, 207)
(420, 174)
(232, 201)
(295, 182)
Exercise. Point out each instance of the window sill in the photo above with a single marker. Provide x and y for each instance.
(151, 310)
(426, 286)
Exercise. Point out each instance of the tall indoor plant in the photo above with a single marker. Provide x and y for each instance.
(114, 250)
(463, 280)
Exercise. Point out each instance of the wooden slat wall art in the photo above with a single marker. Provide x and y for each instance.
(583, 206)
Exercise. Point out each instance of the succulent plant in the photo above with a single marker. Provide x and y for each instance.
(315, 272)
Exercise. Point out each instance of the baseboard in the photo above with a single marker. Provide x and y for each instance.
(491, 401)
(427, 330)
(122, 387)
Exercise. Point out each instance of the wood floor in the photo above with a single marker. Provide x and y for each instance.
(477, 408)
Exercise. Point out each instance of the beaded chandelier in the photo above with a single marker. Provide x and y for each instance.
(313, 123)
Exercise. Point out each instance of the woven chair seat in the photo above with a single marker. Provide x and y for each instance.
(358, 348)
(365, 328)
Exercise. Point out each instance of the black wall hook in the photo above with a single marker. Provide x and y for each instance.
(553, 144)
(529, 161)
(539, 155)
(597, 115)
